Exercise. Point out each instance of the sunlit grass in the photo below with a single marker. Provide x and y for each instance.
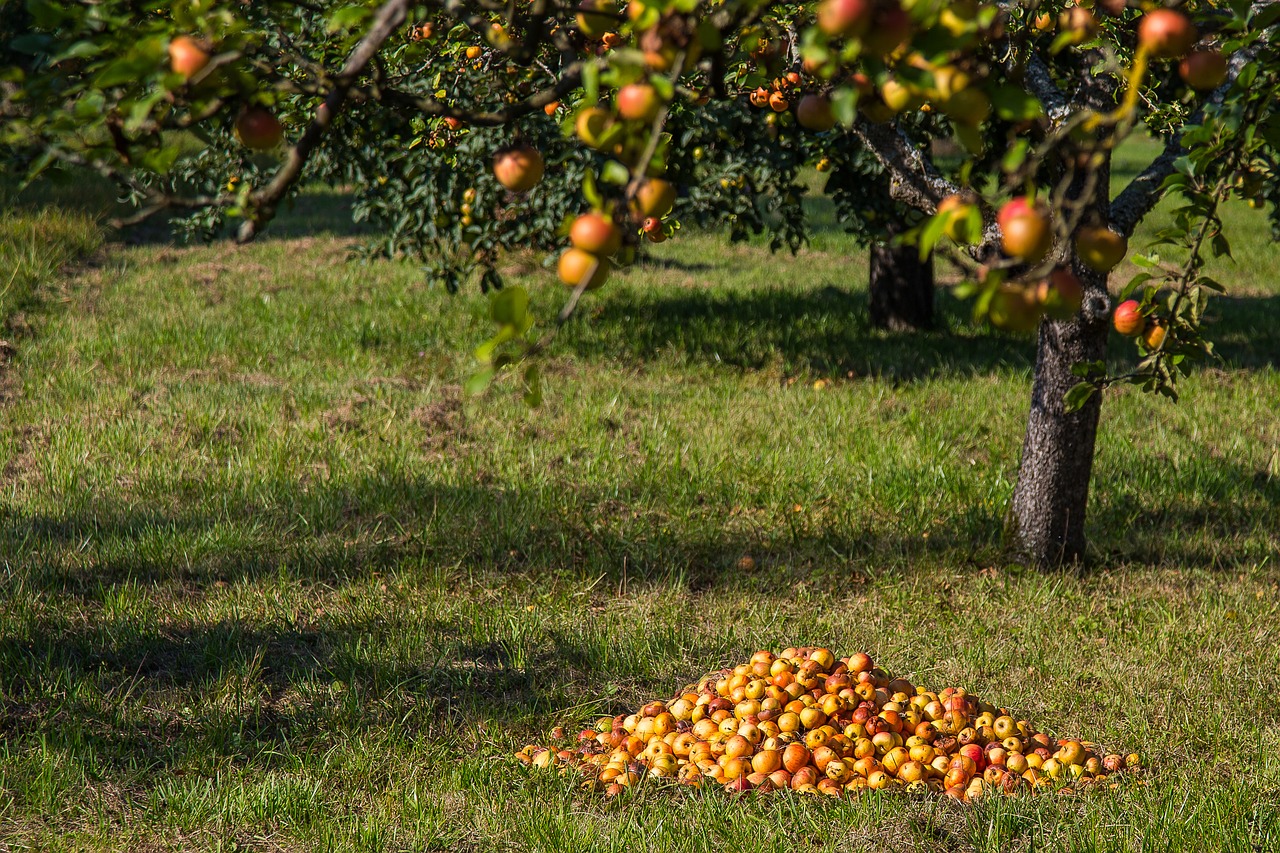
(270, 581)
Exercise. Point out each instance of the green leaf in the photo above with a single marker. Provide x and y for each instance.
(1078, 396)
(347, 18)
(590, 191)
(970, 137)
(709, 36)
(47, 15)
(844, 105)
(663, 86)
(1016, 155)
(615, 173)
(31, 43)
(533, 386)
(590, 84)
(79, 50)
(477, 382)
(931, 234)
(1015, 104)
(1089, 369)
(1134, 283)
(509, 306)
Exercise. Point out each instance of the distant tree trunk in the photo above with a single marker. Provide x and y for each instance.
(901, 288)
(1052, 494)
(1049, 503)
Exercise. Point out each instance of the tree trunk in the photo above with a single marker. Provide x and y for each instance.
(1049, 502)
(901, 288)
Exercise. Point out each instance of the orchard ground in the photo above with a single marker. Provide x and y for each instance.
(270, 581)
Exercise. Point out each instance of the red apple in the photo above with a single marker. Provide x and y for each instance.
(592, 233)
(638, 102)
(1128, 318)
(849, 18)
(1166, 33)
(1099, 247)
(187, 57)
(813, 112)
(1016, 206)
(1061, 294)
(1203, 69)
(258, 128)
(1026, 236)
(518, 168)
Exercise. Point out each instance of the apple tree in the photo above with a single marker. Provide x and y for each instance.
(981, 132)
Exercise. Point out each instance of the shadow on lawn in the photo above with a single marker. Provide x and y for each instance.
(341, 533)
(392, 521)
(262, 691)
(303, 681)
(827, 331)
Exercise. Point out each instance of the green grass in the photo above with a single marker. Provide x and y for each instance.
(269, 581)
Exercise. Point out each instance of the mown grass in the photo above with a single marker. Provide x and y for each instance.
(35, 245)
(270, 581)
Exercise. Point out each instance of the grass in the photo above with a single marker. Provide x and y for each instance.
(269, 581)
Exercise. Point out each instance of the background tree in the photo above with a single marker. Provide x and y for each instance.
(472, 128)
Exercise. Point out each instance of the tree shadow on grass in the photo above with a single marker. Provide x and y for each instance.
(270, 687)
(823, 331)
(391, 520)
(827, 331)
(262, 691)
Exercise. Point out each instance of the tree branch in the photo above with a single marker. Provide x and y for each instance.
(913, 180)
(1142, 194)
(385, 23)
(568, 81)
(1043, 87)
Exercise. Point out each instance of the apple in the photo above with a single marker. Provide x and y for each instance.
(1016, 206)
(968, 106)
(596, 17)
(959, 226)
(850, 18)
(1154, 336)
(1203, 69)
(899, 97)
(258, 128)
(1128, 319)
(1061, 295)
(1071, 752)
(888, 31)
(638, 102)
(813, 112)
(1166, 33)
(575, 266)
(1080, 22)
(590, 125)
(1100, 248)
(518, 168)
(654, 198)
(1012, 308)
(1026, 236)
(685, 740)
(187, 57)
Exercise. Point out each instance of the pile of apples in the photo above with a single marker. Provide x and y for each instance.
(809, 722)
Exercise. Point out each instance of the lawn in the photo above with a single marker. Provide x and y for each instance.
(270, 581)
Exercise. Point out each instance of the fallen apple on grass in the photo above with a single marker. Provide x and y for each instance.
(848, 727)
